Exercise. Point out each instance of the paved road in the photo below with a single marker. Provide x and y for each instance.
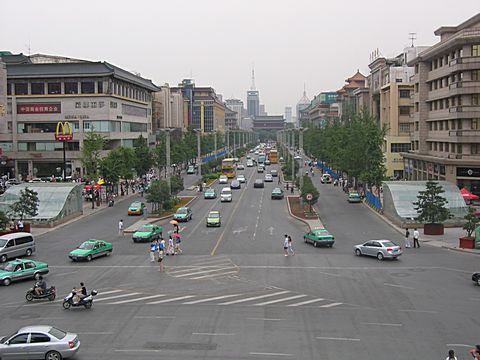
(233, 295)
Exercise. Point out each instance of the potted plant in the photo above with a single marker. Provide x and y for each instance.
(468, 242)
(431, 208)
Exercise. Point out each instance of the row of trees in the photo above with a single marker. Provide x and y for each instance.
(352, 144)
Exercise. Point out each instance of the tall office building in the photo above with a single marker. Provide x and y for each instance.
(237, 106)
(253, 99)
(302, 104)
(288, 114)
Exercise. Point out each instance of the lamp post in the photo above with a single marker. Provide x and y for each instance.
(228, 143)
(169, 181)
(234, 145)
(199, 155)
(300, 140)
(293, 155)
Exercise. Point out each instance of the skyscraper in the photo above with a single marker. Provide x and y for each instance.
(253, 99)
(288, 114)
(302, 104)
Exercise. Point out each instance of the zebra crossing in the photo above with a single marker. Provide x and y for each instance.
(203, 269)
(262, 298)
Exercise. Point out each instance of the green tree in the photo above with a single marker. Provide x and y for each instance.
(309, 188)
(158, 195)
(471, 222)
(431, 204)
(93, 144)
(27, 204)
(4, 220)
(143, 157)
(177, 184)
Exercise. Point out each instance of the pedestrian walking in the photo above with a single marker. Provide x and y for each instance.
(20, 225)
(416, 236)
(290, 246)
(120, 227)
(178, 240)
(407, 239)
(279, 179)
(475, 352)
(153, 250)
(285, 245)
(160, 260)
(170, 247)
(451, 355)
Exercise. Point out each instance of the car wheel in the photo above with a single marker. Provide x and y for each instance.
(7, 281)
(89, 258)
(478, 282)
(3, 258)
(358, 252)
(37, 275)
(53, 355)
(28, 252)
(315, 244)
(305, 239)
(380, 256)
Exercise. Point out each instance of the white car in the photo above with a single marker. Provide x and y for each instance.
(298, 157)
(268, 178)
(249, 163)
(226, 195)
(326, 179)
(241, 178)
(223, 179)
(240, 167)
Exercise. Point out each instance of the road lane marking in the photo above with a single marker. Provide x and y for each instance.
(203, 272)
(117, 296)
(279, 300)
(336, 338)
(461, 345)
(170, 300)
(265, 319)
(154, 317)
(419, 311)
(270, 354)
(214, 275)
(136, 299)
(331, 305)
(381, 324)
(254, 298)
(399, 286)
(211, 299)
(213, 334)
(307, 302)
(138, 350)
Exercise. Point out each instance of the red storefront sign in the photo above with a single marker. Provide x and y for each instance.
(47, 108)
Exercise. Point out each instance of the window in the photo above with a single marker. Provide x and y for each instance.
(475, 99)
(440, 147)
(19, 339)
(28, 265)
(39, 338)
(54, 88)
(404, 94)
(23, 240)
(404, 127)
(113, 105)
(71, 88)
(88, 87)
(37, 88)
(404, 110)
(475, 123)
(440, 125)
(475, 50)
(435, 146)
(459, 125)
(430, 126)
(459, 148)
(78, 105)
(474, 148)
(100, 87)
(397, 148)
(446, 147)
(21, 89)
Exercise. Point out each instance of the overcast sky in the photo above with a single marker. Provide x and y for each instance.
(316, 42)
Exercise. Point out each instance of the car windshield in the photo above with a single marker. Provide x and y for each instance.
(320, 232)
(3, 242)
(135, 204)
(86, 246)
(145, 228)
(57, 333)
(213, 216)
(182, 211)
(8, 267)
(388, 243)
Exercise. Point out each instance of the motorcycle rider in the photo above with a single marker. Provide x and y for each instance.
(79, 293)
(40, 286)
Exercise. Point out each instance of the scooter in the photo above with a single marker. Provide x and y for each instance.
(49, 294)
(87, 301)
(111, 202)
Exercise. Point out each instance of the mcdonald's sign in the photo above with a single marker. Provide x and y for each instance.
(64, 131)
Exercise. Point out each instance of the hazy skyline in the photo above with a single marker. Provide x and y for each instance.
(290, 43)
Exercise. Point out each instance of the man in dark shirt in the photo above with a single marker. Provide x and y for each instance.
(40, 286)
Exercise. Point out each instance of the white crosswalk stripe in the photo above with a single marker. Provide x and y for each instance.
(280, 300)
(206, 268)
(170, 300)
(331, 305)
(137, 299)
(307, 302)
(210, 299)
(254, 298)
(116, 297)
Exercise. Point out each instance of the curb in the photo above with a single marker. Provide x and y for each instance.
(296, 217)
(467, 251)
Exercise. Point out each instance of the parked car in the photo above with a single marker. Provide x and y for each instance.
(147, 232)
(191, 170)
(136, 208)
(268, 178)
(240, 167)
(381, 249)
(235, 184)
(277, 193)
(353, 197)
(226, 195)
(223, 179)
(210, 193)
(20, 269)
(319, 237)
(241, 178)
(476, 278)
(214, 219)
(91, 249)
(183, 214)
(258, 183)
(297, 157)
(274, 172)
(16, 244)
(326, 179)
(39, 342)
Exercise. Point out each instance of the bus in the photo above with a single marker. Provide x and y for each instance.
(261, 158)
(273, 156)
(228, 168)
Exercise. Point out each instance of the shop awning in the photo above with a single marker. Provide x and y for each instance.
(467, 195)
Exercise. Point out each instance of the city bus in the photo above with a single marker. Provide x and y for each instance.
(273, 156)
(228, 168)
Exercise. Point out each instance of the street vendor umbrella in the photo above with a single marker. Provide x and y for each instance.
(173, 222)
(467, 195)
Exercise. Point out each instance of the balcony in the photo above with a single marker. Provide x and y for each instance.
(465, 64)
(464, 136)
(464, 87)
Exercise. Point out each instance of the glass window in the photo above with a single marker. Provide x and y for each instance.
(475, 100)
(474, 149)
(9, 88)
(100, 87)
(19, 339)
(37, 88)
(39, 338)
(404, 93)
(397, 148)
(475, 50)
(88, 87)
(21, 89)
(71, 87)
(54, 88)
(459, 148)
(57, 333)
(6, 146)
(404, 127)
(476, 75)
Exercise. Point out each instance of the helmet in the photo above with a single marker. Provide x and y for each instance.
(94, 292)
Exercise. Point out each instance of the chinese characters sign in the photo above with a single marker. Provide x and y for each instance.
(50, 108)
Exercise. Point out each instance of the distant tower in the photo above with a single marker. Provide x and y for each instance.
(302, 104)
(288, 114)
(253, 98)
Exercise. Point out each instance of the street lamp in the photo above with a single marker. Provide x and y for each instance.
(228, 142)
(167, 168)
(302, 154)
(199, 155)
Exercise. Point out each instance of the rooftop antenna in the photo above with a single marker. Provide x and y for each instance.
(29, 49)
(304, 89)
(413, 37)
(252, 87)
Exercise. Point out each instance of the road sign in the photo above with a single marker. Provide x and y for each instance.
(309, 197)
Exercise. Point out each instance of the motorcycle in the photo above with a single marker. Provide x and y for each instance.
(111, 202)
(49, 294)
(87, 301)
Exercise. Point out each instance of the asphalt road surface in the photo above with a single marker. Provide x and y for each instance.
(232, 294)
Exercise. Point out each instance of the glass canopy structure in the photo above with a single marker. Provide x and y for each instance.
(57, 201)
(399, 196)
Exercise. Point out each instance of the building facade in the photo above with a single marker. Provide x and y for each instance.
(347, 99)
(167, 108)
(288, 114)
(208, 111)
(237, 106)
(230, 119)
(253, 103)
(445, 142)
(270, 122)
(302, 104)
(91, 96)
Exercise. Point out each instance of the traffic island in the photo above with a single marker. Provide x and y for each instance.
(302, 212)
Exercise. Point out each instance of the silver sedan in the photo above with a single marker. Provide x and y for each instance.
(381, 249)
(39, 342)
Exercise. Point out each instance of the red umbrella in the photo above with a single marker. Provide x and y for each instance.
(467, 195)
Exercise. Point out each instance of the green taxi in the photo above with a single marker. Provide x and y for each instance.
(21, 269)
(277, 193)
(183, 214)
(210, 193)
(147, 232)
(91, 249)
(354, 197)
(319, 237)
(136, 208)
(214, 218)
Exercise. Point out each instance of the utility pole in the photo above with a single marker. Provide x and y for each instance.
(234, 144)
(169, 181)
(293, 156)
(228, 143)
(300, 140)
(199, 155)
(215, 142)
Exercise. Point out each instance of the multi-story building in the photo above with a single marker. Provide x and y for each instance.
(261, 110)
(270, 122)
(167, 108)
(237, 106)
(3, 97)
(253, 99)
(322, 108)
(445, 144)
(91, 96)
(302, 104)
(230, 119)
(288, 114)
(346, 95)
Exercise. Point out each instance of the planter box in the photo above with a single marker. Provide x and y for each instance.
(433, 229)
(467, 243)
(26, 228)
